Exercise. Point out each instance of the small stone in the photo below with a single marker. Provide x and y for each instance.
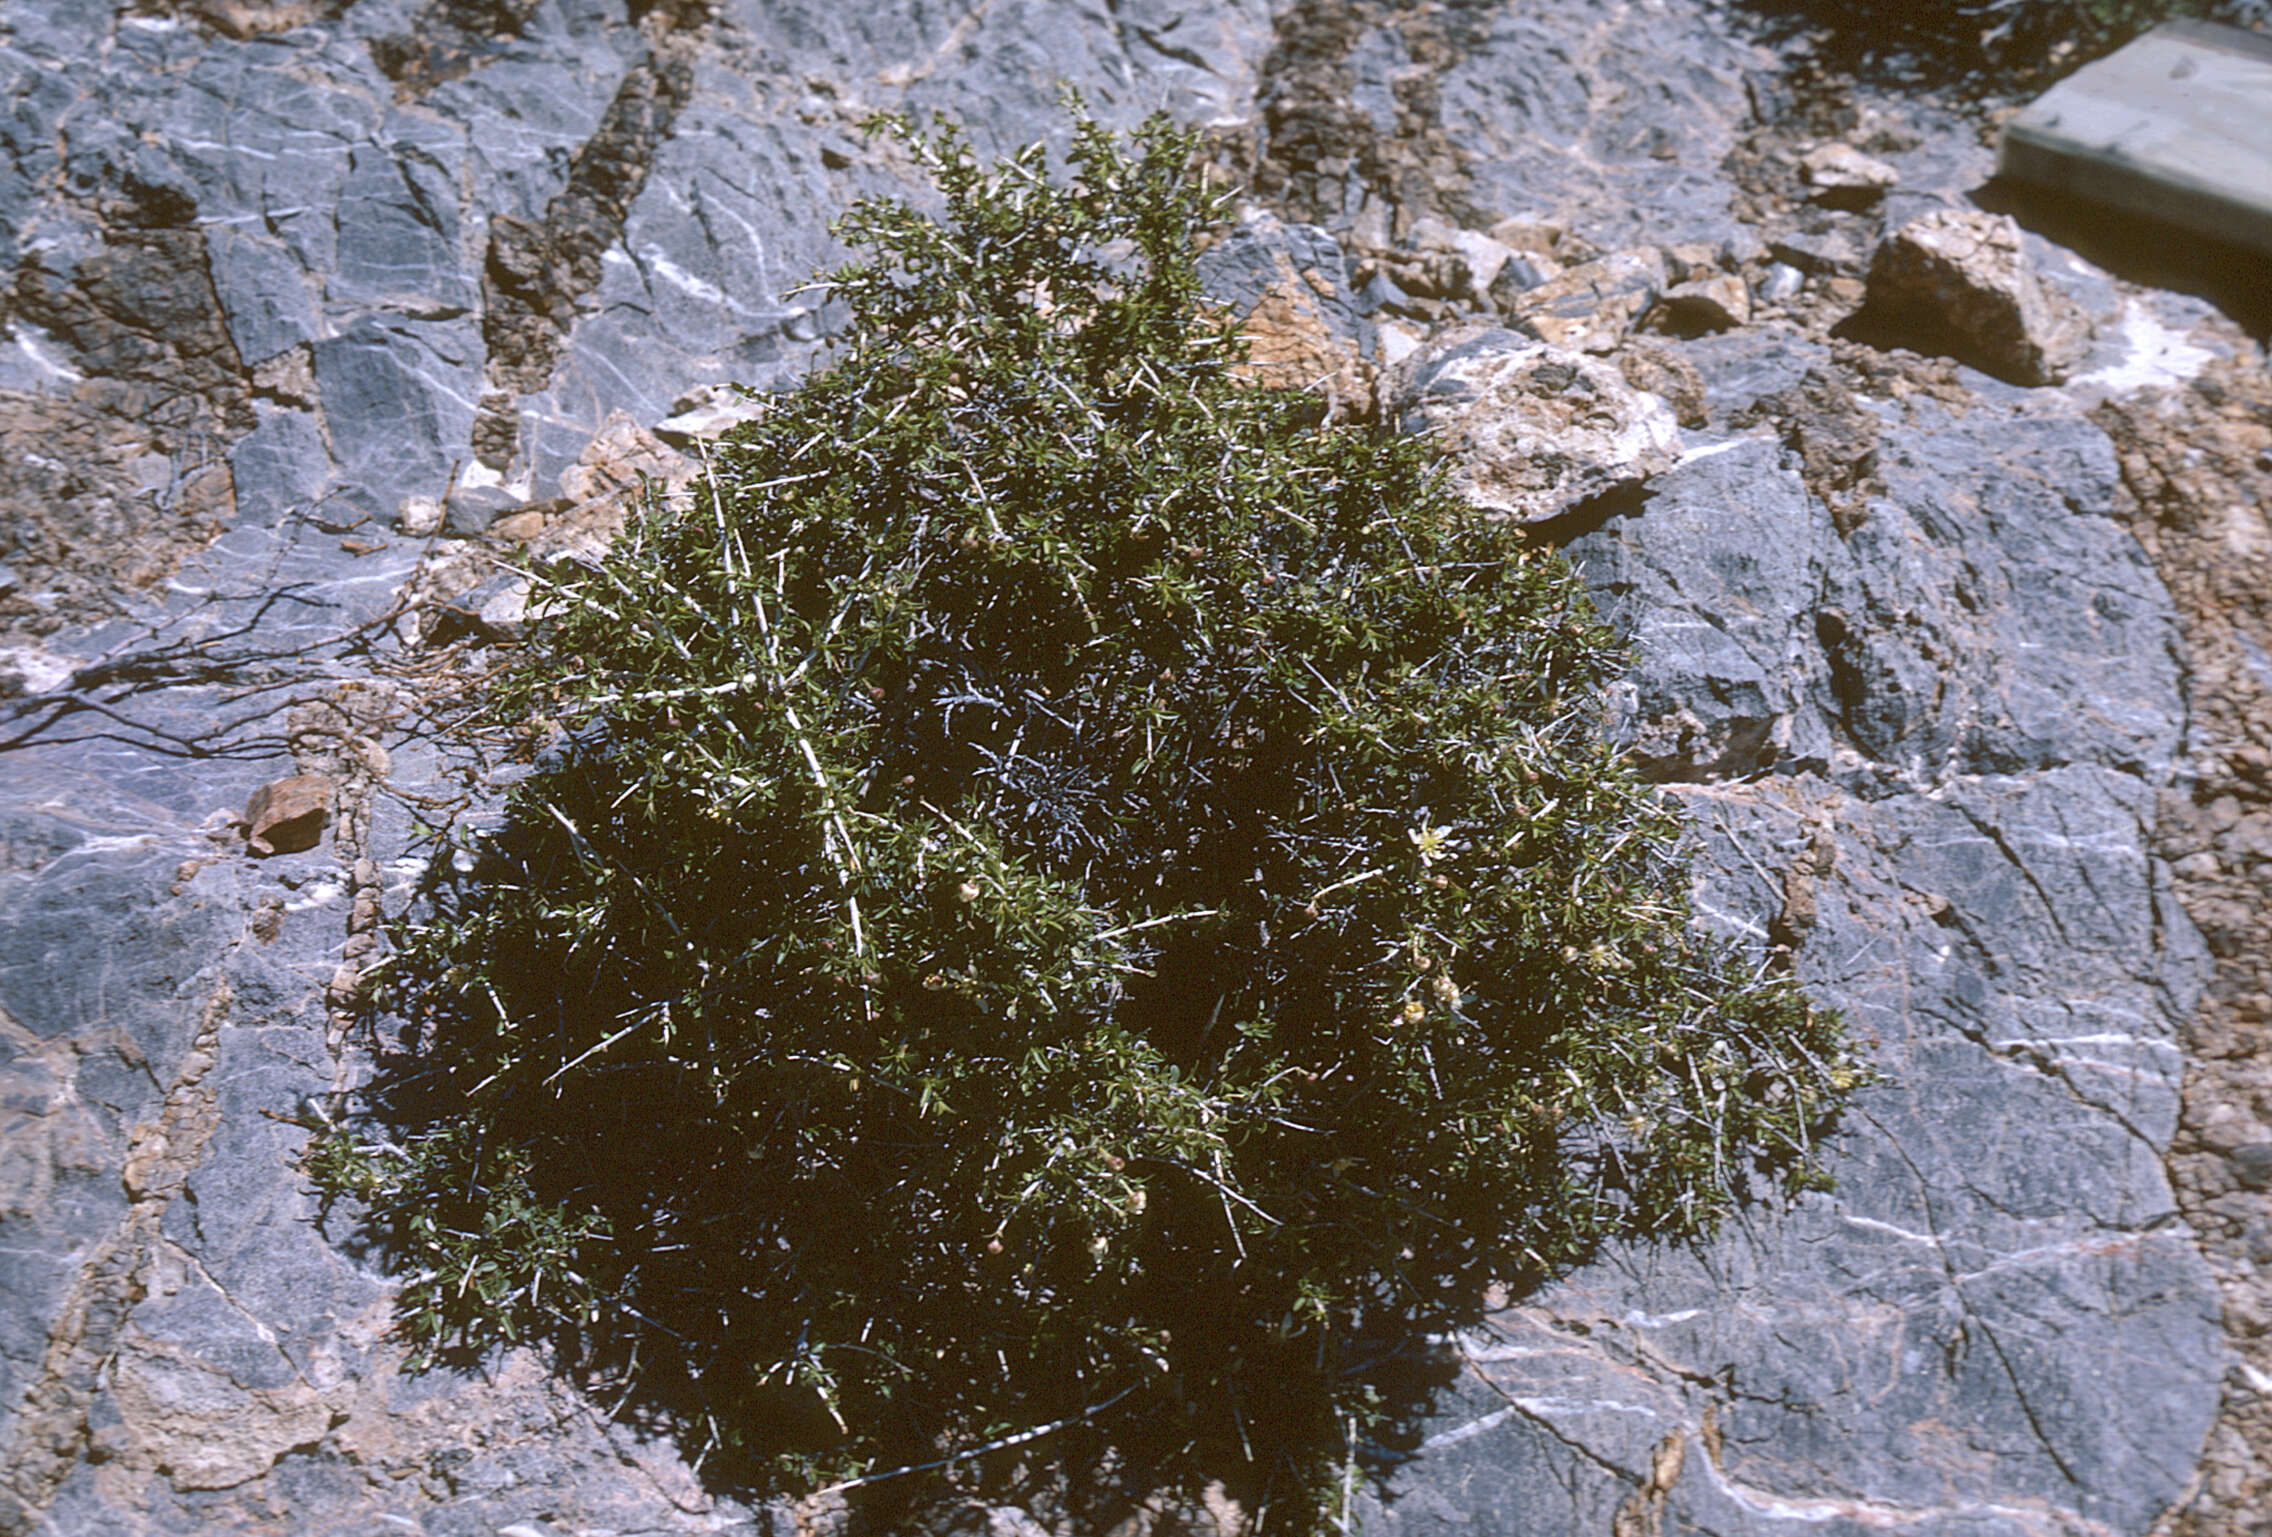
(517, 527)
(1691, 260)
(1781, 281)
(471, 510)
(418, 517)
(2252, 1165)
(504, 614)
(1843, 177)
(1532, 237)
(1957, 282)
(1381, 292)
(286, 816)
(1480, 257)
(1522, 273)
(1718, 302)
(621, 458)
(1394, 343)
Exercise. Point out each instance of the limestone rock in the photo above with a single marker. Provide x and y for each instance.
(1593, 306)
(1533, 429)
(1960, 280)
(286, 816)
(622, 457)
(1717, 301)
(250, 289)
(419, 516)
(1287, 284)
(518, 527)
(1843, 177)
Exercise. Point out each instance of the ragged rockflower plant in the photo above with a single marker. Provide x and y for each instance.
(1066, 892)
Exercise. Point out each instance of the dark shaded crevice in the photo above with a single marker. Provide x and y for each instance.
(1983, 50)
(2233, 277)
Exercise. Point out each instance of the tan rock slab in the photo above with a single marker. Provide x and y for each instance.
(286, 816)
(2175, 127)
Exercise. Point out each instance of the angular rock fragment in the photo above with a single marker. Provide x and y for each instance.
(1957, 281)
(1592, 306)
(1841, 176)
(1714, 302)
(1534, 429)
(471, 509)
(1831, 251)
(621, 458)
(286, 816)
(1781, 281)
(1480, 258)
(518, 527)
(504, 614)
(1706, 293)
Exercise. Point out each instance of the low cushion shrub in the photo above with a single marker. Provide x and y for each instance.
(1065, 890)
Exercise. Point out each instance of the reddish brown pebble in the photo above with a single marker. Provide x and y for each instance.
(286, 816)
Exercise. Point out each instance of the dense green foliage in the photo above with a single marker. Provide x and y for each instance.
(1063, 883)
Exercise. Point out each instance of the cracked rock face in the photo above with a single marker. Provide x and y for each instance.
(319, 314)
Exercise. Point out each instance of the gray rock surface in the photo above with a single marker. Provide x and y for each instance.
(276, 268)
(1934, 859)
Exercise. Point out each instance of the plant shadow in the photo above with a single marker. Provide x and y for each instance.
(676, 1346)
